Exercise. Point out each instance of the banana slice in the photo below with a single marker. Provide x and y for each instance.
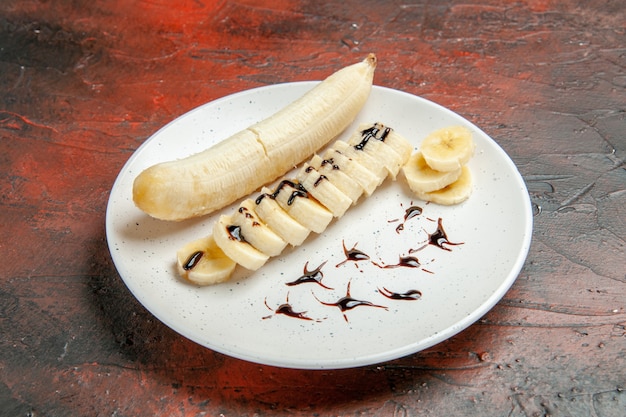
(370, 139)
(390, 137)
(294, 199)
(278, 220)
(367, 180)
(231, 240)
(337, 177)
(323, 190)
(455, 193)
(256, 232)
(421, 178)
(203, 262)
(242, 163)
(373, 164)
(448, 149)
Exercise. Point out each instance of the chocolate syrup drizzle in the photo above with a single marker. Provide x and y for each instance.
(297, 191)
(348, 303)
(411, 295)
(234, 233)
(286, 309)
(439, 237)
(315, 276)
(372, 133)
(353, 254)
(193, 260)
(248, 215)
(330, 162)
(409, 213)
(404, 261)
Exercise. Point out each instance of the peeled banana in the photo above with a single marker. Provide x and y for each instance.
(235, 167)
(438, 172)
(296, 207)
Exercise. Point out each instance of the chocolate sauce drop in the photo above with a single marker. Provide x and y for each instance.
(409, 213)
(353, 254)
(248, 215)
(286, 309)
(348, 303)
(314, 276)
(439, 237)
(298, 191)
(234, 233)
(319, 180)
(193, 260)
(410, 295)
(330, 162)
(404, 261)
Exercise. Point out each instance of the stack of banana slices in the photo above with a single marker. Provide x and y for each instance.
(438, 172)
(324, 188)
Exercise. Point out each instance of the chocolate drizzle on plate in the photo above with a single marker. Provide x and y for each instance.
(409, 213)
(353, 254)
(411, 295)
(438, 238)
(316, 275)
(348, 303)
(286, 309)
(403, 261)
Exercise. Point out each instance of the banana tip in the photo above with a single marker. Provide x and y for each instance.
(371, 59)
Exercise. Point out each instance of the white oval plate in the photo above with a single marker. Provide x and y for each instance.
(240, 318)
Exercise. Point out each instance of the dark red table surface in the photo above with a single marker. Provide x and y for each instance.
(84, 83)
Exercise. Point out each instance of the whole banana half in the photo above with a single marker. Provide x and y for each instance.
(235, 167)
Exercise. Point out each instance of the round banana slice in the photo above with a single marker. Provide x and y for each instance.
(230, 239)
(203, 262)
(455, 193)
(256, 232)
(323, 190)
(421, 178)
(278, 220)
(448, 149)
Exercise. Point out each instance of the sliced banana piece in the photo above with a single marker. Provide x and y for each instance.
(421, 178)
(203, 262)
(256, 232)
(448, 149)
(370, 139)
(374, 165)
(358, 172)
(455, 193)
(337, 177)
(279, 220)
(230, 239)
(323, 190)
(294, 199)
(390, 137)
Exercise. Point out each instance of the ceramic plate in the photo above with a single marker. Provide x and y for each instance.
(410, 293)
